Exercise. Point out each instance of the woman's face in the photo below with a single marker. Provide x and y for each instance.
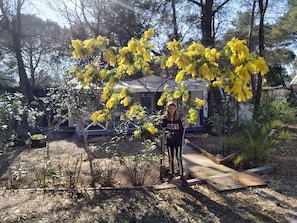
(171, 109)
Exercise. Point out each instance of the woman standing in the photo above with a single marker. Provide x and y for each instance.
(173, 124)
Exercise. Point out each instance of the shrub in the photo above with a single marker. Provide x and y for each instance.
(139, 165)
(105, 172)
(16, 119)
(257, 138)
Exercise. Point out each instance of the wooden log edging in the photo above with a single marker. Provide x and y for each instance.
(223, 161)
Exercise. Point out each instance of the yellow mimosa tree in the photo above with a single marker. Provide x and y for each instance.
(108, 65)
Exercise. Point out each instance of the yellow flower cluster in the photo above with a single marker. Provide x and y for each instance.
(192, 61)
(197, 61)
(146, 127)
(137, 133)
(135, 111)
(245, 66)
(151, 128)
(88, 47)
(136, 56)
(239, 51)
(192, 115)
(199, 102)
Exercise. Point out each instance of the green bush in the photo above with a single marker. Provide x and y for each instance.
(265, 133)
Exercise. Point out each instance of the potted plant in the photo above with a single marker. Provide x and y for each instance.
(38, 140)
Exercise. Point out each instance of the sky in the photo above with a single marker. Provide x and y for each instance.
(41, 10)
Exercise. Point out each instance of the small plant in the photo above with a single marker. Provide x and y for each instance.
(36, 140)
(42, 172)
(138, 166)
(71, 172)
(105, 172)
(37, 136)
(256, 142)
(16, 177)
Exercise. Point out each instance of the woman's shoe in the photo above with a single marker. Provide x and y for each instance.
(184, 181)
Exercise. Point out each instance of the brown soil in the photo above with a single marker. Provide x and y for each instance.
(59, 202)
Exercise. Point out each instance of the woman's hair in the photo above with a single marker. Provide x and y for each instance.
(166, 113)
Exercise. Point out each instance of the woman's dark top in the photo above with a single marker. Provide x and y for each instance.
(176, 131)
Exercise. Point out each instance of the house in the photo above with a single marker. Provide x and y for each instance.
(147, 90)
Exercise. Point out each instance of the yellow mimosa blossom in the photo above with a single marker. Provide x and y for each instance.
(149, 33)
(183, 62)
(236, 88)
(147, 56)
(152, 129)
(179, 76)
(161, 99)
(177, 93)
(111, 82)
(192, 116)
(125, 101)
(74, 69)
(199, 102)
(132, 44)
(169, 97)
(98, 116)
(137, 133)
(111, 102)
(261, 65)
(123, 51)
(130, 70)
(194, 60)
(124, 92)
(247, 92)
(78, 46)
(185, 96)
(218, 82)
(90, 43)
(209, 56)
(102, 41)
(197, 48)
(110, 57)
(170, 61)
(173, 45)
(241, 96)
(227, 89)
(160, 102)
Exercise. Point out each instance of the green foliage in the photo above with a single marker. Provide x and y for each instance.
(223, 122)
(17, 176)
(275, 109)
(37, 136)
(256, 139)
(15, 118)
(43, 172)
(276, 76)
(62, 173)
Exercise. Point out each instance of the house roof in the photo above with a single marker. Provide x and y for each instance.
(153, 83)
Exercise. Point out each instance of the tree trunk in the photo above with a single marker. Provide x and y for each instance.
(262, 8)
(175, 29)
(253, 78)
(16, 32)
(206, 23)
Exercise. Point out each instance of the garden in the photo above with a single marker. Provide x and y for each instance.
(49, 174)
